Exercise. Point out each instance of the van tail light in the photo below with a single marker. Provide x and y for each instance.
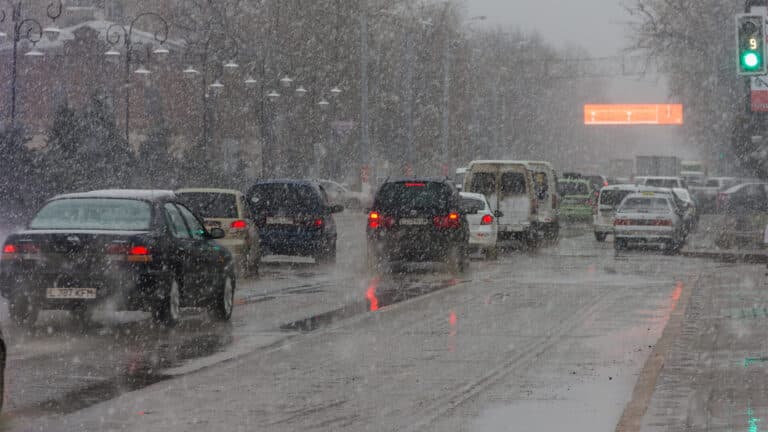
(451, 221)
(621, 222)
(19, 250)
(238, 225)
(376, 220)
(486, 220)
(662, 222)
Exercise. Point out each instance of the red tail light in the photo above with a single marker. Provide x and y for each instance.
(415, 185)
(451, 221)
(10, 249)
(239, 225)
(376, 220)
(617, 222)
(139, 254)
(486, 220)
(662, 222)
(317, 223)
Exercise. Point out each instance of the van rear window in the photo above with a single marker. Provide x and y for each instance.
(513, 183)
(483, 183)
(399, 196)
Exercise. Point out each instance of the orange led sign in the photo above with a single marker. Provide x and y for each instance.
(633, 114)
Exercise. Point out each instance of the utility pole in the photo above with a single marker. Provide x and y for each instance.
(408, 102)
(446, 99)
(366, 155)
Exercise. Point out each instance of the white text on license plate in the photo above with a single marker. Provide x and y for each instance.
(71, 293)
(413, 221)
(279, 221)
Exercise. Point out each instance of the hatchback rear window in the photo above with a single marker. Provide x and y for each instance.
(472, 202)
(286, 197)
(94, 214)
(413, 196)
(211, 204)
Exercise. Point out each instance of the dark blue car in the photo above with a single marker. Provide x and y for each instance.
(294, 218)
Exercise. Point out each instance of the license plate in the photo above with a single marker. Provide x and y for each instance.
(413, 221)
(71, 293)
(279, 221)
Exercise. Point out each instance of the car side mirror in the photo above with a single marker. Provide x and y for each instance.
(498, 214)
(217, 233)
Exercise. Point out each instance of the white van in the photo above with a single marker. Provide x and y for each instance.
(545, 192)
(508, 186)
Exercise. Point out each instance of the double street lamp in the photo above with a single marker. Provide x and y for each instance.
(117, 33)
(27, 29)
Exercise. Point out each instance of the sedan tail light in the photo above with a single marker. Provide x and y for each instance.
(662, 222)
(486, 220)
(451, 221)
(18, 250)
(238, 225)
(135, 253)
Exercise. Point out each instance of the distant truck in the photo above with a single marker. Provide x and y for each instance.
(667, 166)
(621, 168)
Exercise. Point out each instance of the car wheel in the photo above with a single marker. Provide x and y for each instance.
(168, 312)
(23, 310)
(249, 264)
(225, 300)
(600, 236)
(619, 244)
(492, 253)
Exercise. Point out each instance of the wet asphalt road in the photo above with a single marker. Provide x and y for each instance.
(562, 330)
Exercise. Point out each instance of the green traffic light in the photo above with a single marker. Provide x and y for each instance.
(750, 60)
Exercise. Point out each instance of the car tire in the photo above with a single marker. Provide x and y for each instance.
(619, 244)
(492, 253)
(23, 310)
(600, 237)
(168, 312)
(249, 264)
(224, 301)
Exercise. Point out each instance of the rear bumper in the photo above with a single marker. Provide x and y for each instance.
(483, 235)
(515, 227)
(413, 247)
(302, 243)
(650, 235)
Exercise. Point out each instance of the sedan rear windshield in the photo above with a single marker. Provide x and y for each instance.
(395, 197)
(613, 197)
(663, 183)
(572, 188)
(211, 204)
(94, 214)
(645, 205)
(284, 197)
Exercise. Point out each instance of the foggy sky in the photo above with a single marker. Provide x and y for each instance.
(600, 26)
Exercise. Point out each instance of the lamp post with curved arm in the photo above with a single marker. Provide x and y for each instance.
(29, 29)
(117, 33)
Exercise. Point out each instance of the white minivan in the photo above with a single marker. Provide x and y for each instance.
(508, 186)
(545, 193)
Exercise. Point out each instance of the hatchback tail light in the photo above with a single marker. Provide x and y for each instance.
(486, 220)
(451, 221)
(377, 220)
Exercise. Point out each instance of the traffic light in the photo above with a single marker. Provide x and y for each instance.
(750, 34)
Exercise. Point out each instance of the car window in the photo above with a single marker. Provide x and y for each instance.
(712, 183)
(195, 227)
(566, 188)
(645, 205)
(399, 196)
(472, 203)
(513, 183)
(483, 183)
(613, 197)
(211, 204)
(94, 213)
(176, 222)
(663, 183)
(284, 197)
(540, 185)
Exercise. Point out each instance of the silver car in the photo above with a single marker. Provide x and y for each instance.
(648, 219)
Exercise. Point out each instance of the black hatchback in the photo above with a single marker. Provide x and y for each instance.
(418, 219)
(142, 249)
(294, 218)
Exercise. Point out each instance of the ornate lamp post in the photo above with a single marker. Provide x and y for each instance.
(31, 30)
(117, 33)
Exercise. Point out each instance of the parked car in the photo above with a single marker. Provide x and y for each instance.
(483, 223)
(508, 186)
(741, 216)
(418, 219)
(578, 199)
(608, 201)
(340, 194)
(140, 249)
(547, 199)
(227, 209)
(706, 194)
(648, 218)
(294, 217)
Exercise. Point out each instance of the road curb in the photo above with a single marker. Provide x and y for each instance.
(727, 256)
(632, 417)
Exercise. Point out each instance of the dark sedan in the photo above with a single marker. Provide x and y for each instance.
(142, 249)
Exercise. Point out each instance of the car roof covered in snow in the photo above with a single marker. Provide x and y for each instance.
(137, 194)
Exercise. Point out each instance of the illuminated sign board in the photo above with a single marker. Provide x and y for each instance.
(633, 114)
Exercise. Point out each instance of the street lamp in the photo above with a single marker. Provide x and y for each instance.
(273, 95)
(29, 29)
(300, 91)
(113, 38)
(286, 81)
